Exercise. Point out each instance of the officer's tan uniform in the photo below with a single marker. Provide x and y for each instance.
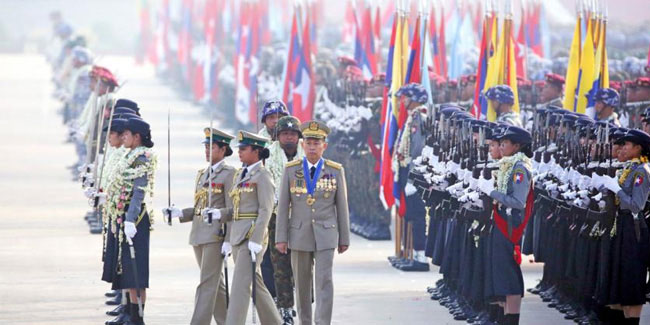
(210, 298)
(252, 199)
(313, 232)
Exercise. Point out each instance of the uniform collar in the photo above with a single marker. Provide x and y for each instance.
(253, 166)
(216, 166)
(310, 165)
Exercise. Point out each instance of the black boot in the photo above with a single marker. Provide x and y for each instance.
(117, 311)
(493, 313)
(136, 319)
(512, 319)
(122, 318)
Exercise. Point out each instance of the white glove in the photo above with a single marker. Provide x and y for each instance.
(569, 195)
(216, 214)
(473, 196)
(409, 189)
(563, 188)
(611, 184)
(452, 167)
(129, 229)
(173, 210)
(102, 198)
(254, 247)
(89, 192)
(486, 185)
(226, 248)
(597, 197)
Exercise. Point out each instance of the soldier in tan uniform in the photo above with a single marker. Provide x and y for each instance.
(248, 213)
(313, 221)
(208, 235)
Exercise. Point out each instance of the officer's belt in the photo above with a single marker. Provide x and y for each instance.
(245, 216)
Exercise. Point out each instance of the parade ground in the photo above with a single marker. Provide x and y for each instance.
(51, 265)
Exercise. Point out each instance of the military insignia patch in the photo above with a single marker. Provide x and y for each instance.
(638, 180)
(518, 177)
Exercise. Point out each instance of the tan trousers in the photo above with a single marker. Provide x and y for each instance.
(302, 264)
(240, 297)
(210, 298)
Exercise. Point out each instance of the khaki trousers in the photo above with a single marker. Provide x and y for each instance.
(210, 298)
(302, 264)
(240, 297)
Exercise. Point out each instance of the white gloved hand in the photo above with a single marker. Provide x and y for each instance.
(226, 248)
(173, 210)
(89, 192)
(486, 185)
(254, 247)
(216, 214)
(569, 195)
(611, 184)
(129, 229)
(473, 196)
(102, 198)
(563, 188)
(409, 189)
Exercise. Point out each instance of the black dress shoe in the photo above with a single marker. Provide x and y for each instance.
(121, 319)
(115, 301)
(111, 293)
(415, 266)
(115, 312)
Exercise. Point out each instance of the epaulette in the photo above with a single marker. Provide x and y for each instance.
(333, 164)
(293, 163)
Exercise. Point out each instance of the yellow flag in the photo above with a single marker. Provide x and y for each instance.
(604, 66)
(397, 80)
(573, 69)
(586, 76)
(494, 74)
(511, 70)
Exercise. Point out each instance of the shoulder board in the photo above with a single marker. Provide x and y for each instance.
(333, 164)
(293, 163)
(202, 170)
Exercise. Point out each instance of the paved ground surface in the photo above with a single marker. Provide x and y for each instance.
(50, 265)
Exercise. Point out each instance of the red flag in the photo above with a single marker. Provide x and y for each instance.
(349, 23)
(521, 48)
(443, 45)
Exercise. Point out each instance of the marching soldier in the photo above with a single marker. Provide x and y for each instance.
(313, 221)
(130, 220)
(249, 211)
(606, 99)
(467, 85)
(212, 187)
(502, 99)
(513, 198)
(287, 148)
(273, 110)
(631, 187)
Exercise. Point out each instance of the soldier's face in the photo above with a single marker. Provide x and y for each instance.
(271, 121)
(128, 139)
(247, 155)
(114, 139)
(508, 148)
(646, 127)
(217, 153)
(549, 92)
(495, 153)
(630, 150)
(314, 148)
(288, 139)
(599, 107)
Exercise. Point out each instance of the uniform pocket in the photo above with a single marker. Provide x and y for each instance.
(327, 224)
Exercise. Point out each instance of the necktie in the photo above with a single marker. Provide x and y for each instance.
(243, 174)
(312, 171)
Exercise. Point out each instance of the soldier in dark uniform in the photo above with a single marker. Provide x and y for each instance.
(132, 220)
(512, 209)
(632, 189)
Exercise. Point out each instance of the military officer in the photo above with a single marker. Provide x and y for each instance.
(273, 110)
(288, 147)
(606, 100)
(211, 190)
(513, 198)
(502, 99)
(313, 221)
(249, 210)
